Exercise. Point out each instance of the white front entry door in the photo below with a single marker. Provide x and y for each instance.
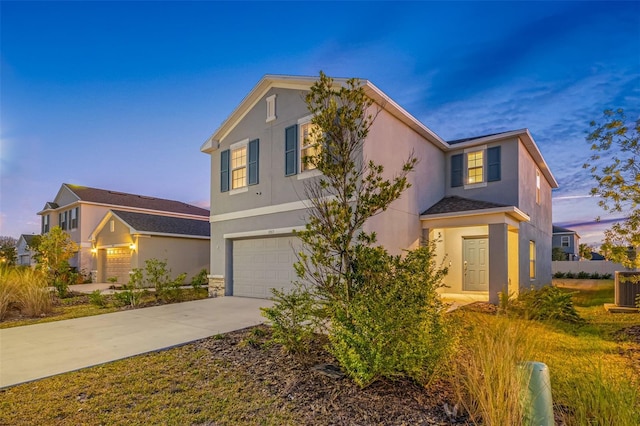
(475, 264)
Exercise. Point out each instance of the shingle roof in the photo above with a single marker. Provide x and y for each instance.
(28, 238)
(558, 230)
(455, 204)
(453, 142)
(115, 198)
(143, 222)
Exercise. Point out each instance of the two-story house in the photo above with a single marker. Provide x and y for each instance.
(568, 240)
(117, 231)
(24, 250)
(486, 201)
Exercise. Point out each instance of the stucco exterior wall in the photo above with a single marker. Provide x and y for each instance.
(188, 255)
(504, 191)
(273, 186)
(539, 228)
(390, 143)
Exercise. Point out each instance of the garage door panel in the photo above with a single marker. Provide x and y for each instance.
(262, 264)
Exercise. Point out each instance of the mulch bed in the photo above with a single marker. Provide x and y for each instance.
(320, 399)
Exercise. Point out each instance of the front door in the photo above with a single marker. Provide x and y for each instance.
(475, 264)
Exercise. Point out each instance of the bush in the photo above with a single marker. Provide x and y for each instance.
(546, 303)
(97, 298)
(294, 319)
(7, 291)
(129, 296)
(595, 276)
(395, 325)
(200, 279)
(569, 275)
(606, 276)
(583, 275)
(559, 275)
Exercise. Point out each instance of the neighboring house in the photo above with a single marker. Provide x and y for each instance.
(24, 251)
(78, 210)
(568, 241)
(124, 240)
(485, 200)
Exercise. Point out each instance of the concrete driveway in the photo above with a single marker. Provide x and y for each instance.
(32, 352)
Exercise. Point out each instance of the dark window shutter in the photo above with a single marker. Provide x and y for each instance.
(252, 163)
(493, 164)
(291, 150)
(224, 171)
(456, 170)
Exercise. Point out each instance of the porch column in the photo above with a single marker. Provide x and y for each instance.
(228, 267)
(498, 260)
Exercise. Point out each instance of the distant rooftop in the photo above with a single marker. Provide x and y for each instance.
(103, 196)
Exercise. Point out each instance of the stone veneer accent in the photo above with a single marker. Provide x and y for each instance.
(216, 286)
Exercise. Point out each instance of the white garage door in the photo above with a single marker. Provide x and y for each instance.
(119, 264)
(262, 264)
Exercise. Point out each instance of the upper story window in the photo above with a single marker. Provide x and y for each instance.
(45, 224)
(73, 220)
(538, 183)
(309, 147)
(239, 166)
(564, 241)
(300, 146)
(475, 167)
(62, 220)
(271, 108)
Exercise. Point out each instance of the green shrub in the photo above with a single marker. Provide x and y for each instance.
(559, 275)
(395, 325)
(200, 279)
(546, 303)
(606, 276)
(129, 296)
(97, 298)
(583, 275)
(595, 276)
(294, 318)
(569, 275)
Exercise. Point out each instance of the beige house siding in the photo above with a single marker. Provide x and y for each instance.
(188, 255)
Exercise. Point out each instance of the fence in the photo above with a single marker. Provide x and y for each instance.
(588, 266)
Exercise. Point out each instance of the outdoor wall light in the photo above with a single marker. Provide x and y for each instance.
(132, 246)
(94, 250)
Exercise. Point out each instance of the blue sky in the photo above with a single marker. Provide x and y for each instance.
(120, 95)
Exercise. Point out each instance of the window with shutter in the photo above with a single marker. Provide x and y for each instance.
(291, 150)
(493, 164)
(252, 164)
(456, 170)
(224, 171)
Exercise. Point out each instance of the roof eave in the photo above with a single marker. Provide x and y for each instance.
(512, 211)
(304, 83)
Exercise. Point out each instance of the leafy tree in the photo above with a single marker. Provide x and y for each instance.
(54, 250)
(348, 193)
(614, 165)
(385, 314)
(558, 254)
(585, 251)
(8, 251)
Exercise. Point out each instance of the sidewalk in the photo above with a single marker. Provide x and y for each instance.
(32, 352)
